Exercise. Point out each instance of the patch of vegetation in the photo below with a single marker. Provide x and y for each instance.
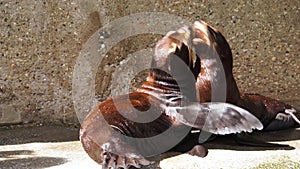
(282, 163)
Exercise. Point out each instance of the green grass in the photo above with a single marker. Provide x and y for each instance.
(282, 163)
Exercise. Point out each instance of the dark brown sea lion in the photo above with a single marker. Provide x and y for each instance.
(274, 114)
(124, 131)
(214, 72)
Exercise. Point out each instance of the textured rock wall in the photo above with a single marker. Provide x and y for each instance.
(40, 41)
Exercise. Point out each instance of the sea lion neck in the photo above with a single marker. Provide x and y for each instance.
(162, 87)
(165, 88)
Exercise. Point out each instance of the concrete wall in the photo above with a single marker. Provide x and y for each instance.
(41, 40)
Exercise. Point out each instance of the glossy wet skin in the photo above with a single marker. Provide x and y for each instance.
(204, 81)
(113, 150)
(173, 97)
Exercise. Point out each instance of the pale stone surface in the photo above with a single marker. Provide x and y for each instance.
(58, 148)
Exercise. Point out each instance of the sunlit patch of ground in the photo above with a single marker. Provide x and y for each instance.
(59, 148)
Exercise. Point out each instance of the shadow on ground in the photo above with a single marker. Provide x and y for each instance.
(24, 135)
(228, 142)
(33, 162)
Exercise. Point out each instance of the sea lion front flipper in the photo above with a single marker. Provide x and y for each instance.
(215, 117)
(111, 160)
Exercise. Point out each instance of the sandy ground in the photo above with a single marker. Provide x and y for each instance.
(59, 148)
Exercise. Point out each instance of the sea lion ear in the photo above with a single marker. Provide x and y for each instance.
(215, 117)
(169, 44)
(163, 48)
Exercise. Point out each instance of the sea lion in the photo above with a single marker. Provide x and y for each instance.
(213, 72)
(117, 133)
(274, 114)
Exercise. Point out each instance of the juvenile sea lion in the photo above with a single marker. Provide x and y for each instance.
(274, 114)
(125, 130)
(213, 72)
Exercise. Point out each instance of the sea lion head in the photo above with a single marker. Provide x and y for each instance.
(191, 44)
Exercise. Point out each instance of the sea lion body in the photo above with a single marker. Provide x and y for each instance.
(106, 133)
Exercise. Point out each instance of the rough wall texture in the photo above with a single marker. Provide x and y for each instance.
(40, 41)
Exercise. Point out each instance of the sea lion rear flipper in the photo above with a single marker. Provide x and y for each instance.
(247, 140)
(281, 122)
(215, 117)
(284, 120)
(274, 114)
